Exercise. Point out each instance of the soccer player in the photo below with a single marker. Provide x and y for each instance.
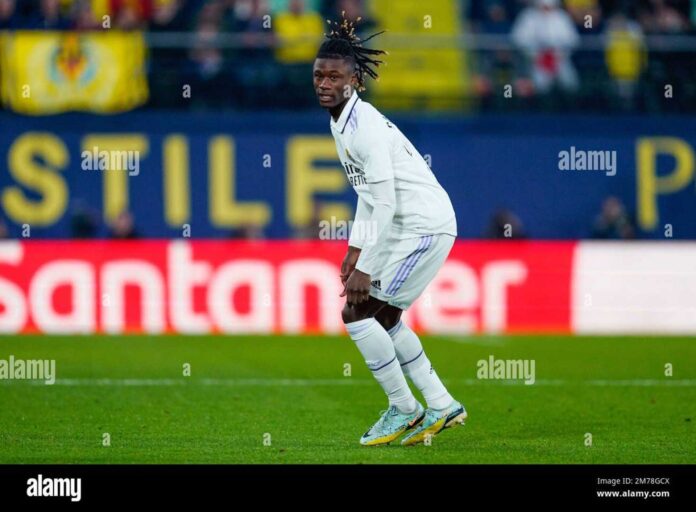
(404, 228)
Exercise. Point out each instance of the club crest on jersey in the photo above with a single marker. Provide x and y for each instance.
(350, 157)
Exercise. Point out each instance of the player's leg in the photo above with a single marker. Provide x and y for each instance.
(412, 358)
(405, 286)
(377, 349)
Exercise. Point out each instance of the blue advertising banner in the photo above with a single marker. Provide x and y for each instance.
(211, 175)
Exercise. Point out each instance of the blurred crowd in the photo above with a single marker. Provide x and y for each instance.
(553, 67)
(154, 15)
(612, 222)
(483, 16)
(545, 64)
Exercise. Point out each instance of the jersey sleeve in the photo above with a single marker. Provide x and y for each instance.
(361, 223)
(384, 196)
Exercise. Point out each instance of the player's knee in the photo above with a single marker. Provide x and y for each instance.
(348, 314)
(388, 318)
(352, 314)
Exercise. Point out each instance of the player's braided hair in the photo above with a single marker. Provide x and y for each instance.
(342, 42)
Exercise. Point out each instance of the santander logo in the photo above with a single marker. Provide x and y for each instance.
(158, 286)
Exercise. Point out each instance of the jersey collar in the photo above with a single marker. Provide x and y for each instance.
(345, 113)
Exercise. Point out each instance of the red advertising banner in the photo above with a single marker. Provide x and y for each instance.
(158, 286)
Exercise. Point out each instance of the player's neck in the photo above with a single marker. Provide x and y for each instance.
(336, 111)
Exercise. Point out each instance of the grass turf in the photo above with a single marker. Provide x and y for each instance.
(285, 399)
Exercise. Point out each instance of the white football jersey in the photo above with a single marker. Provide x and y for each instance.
(372, 149)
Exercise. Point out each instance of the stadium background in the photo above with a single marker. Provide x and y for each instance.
(230, 145)
(219, 229)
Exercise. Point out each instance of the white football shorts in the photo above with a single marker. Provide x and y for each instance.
(407, 266)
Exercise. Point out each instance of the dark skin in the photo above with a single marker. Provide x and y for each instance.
(334, 82)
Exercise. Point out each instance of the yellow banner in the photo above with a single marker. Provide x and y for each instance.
(52, 72)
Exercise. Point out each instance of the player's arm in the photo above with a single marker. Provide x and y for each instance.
(374, 147)
(356, 239)
(360, 223)
(377, 231)
(384, 196)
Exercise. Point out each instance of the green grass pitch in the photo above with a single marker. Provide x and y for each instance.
(285, 399)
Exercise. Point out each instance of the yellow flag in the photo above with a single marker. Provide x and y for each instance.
(51, 72)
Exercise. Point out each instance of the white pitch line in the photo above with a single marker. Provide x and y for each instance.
(643, 382)
(348, 381)
(186, 381)
(485, 341)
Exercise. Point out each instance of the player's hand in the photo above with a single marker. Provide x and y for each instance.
(348, 266)
(358, 287)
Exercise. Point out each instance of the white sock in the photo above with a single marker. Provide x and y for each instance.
(417, 367)
(378, 350)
